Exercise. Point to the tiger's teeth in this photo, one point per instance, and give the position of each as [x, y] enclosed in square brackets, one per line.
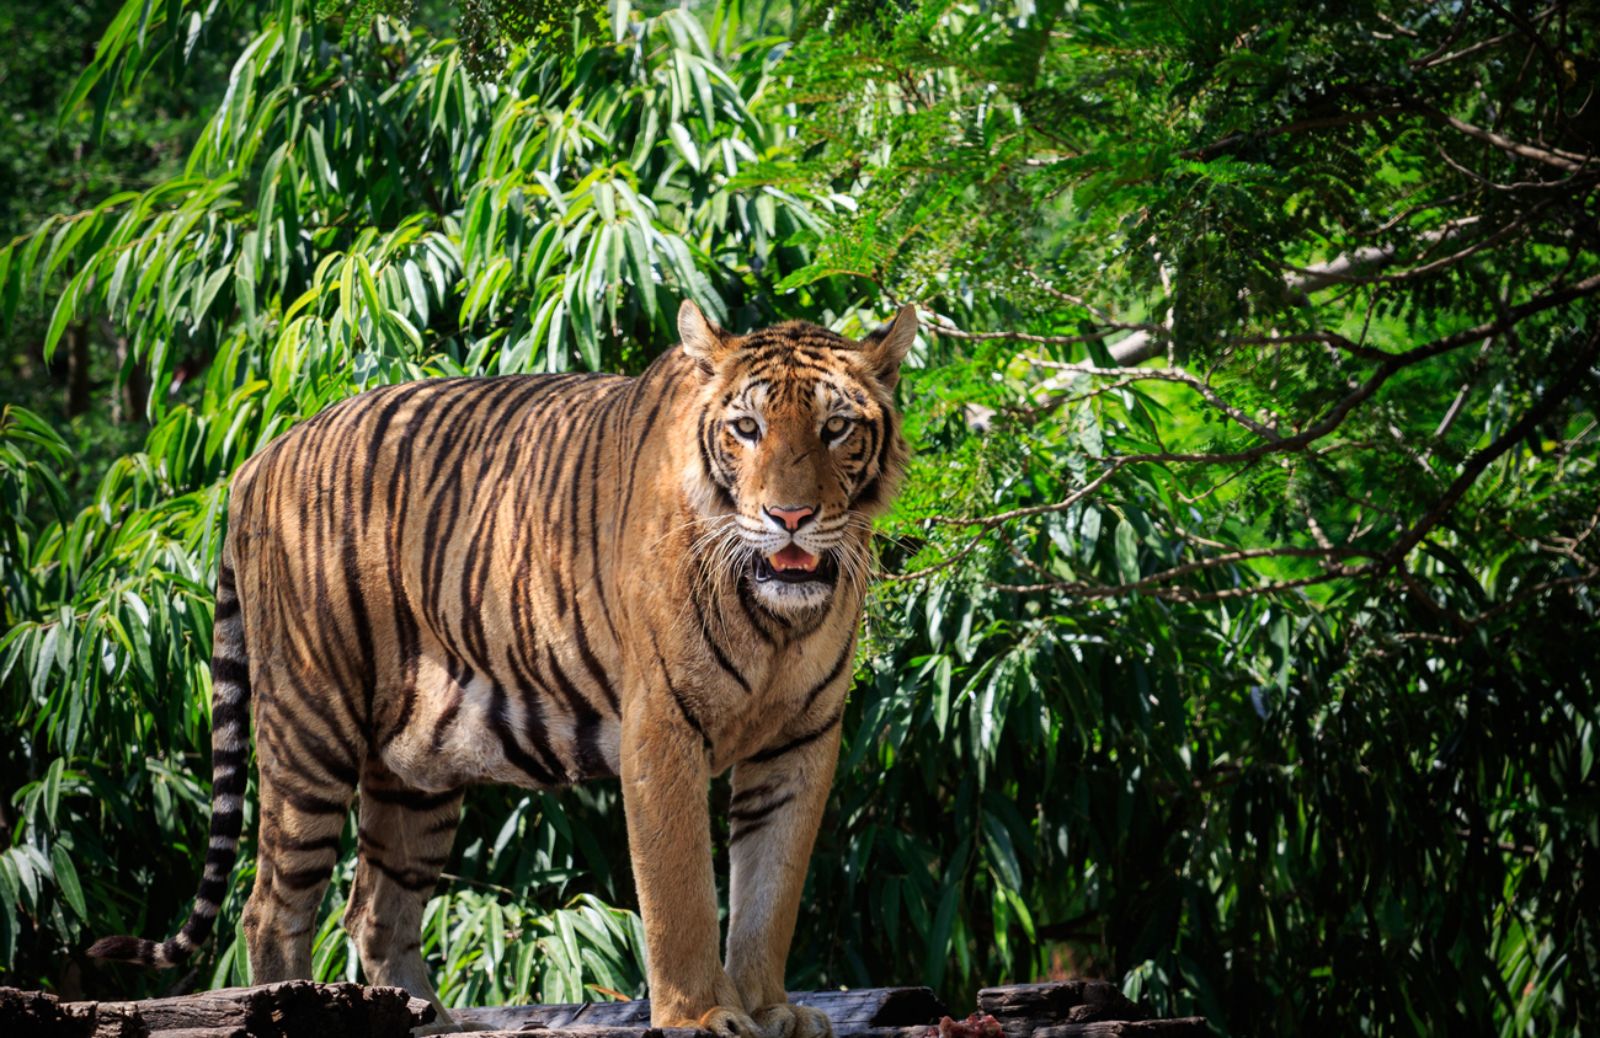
[793, 557]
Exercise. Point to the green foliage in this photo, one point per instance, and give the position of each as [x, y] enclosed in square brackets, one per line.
[1239, 653]
[1231, 639]
[357, 209]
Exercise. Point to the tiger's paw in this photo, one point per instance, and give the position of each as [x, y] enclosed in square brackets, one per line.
[729, 1023]
[787, 1020]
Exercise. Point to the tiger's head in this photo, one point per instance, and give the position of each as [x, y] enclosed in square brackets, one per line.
[799, 447]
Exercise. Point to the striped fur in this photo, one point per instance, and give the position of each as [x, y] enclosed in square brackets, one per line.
[540, 580]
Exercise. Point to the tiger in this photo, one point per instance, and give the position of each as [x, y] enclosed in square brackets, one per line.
[542, 580]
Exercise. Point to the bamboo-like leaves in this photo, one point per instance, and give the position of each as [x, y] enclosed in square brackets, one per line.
[341, 221]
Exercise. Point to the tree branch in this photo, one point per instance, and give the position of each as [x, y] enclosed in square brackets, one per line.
[1272, 443]
[1127, 377]
[1565, 386]
[1567, 160]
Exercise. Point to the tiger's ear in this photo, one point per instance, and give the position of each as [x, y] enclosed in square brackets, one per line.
[703, 341]
[887, 347]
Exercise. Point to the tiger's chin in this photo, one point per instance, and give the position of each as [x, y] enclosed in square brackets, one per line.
[794, 589]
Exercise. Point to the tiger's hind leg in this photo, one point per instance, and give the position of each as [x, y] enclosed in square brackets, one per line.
[405, 841]
[302, 816]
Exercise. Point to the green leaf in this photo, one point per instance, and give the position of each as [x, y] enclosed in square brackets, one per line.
[208, 290]
[806, 275]
[52, 790]
[1127, 545]
[67, 879]
[938, 944]
[1002, 852]
[46, 658]
[10, 897]
[684, 142]
[65, 311]
[417, 290]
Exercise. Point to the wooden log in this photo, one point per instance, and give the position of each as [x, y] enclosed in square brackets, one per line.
[38, 1013]
[1182, 1027]
[875, 1007]
[1023, 1009]
[918, 1031]
[537, 1031]
[850, 1011]
[293, 1009]
[302, 1009]
[591, 1032]
[602, 1015]
[111, 1019]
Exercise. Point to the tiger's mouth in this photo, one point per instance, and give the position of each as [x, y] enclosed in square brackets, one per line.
[795, 565]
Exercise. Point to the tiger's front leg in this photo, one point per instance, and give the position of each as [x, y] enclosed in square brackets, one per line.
[778, 799]
[666, 774]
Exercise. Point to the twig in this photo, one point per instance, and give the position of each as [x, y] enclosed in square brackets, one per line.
[1175, 375]
[1560, 159]
[940, 328]
[1565, 386]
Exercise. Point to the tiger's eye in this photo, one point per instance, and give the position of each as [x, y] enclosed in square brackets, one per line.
[746, 427]
[834, 427]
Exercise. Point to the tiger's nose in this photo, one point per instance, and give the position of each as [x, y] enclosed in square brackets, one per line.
[792, 517]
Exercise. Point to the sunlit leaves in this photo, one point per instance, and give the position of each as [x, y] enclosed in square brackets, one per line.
[356, 210]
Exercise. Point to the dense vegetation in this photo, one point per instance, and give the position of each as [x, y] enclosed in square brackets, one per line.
[1235, 634]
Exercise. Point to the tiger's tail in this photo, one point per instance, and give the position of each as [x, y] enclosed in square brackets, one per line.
[230, 707]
